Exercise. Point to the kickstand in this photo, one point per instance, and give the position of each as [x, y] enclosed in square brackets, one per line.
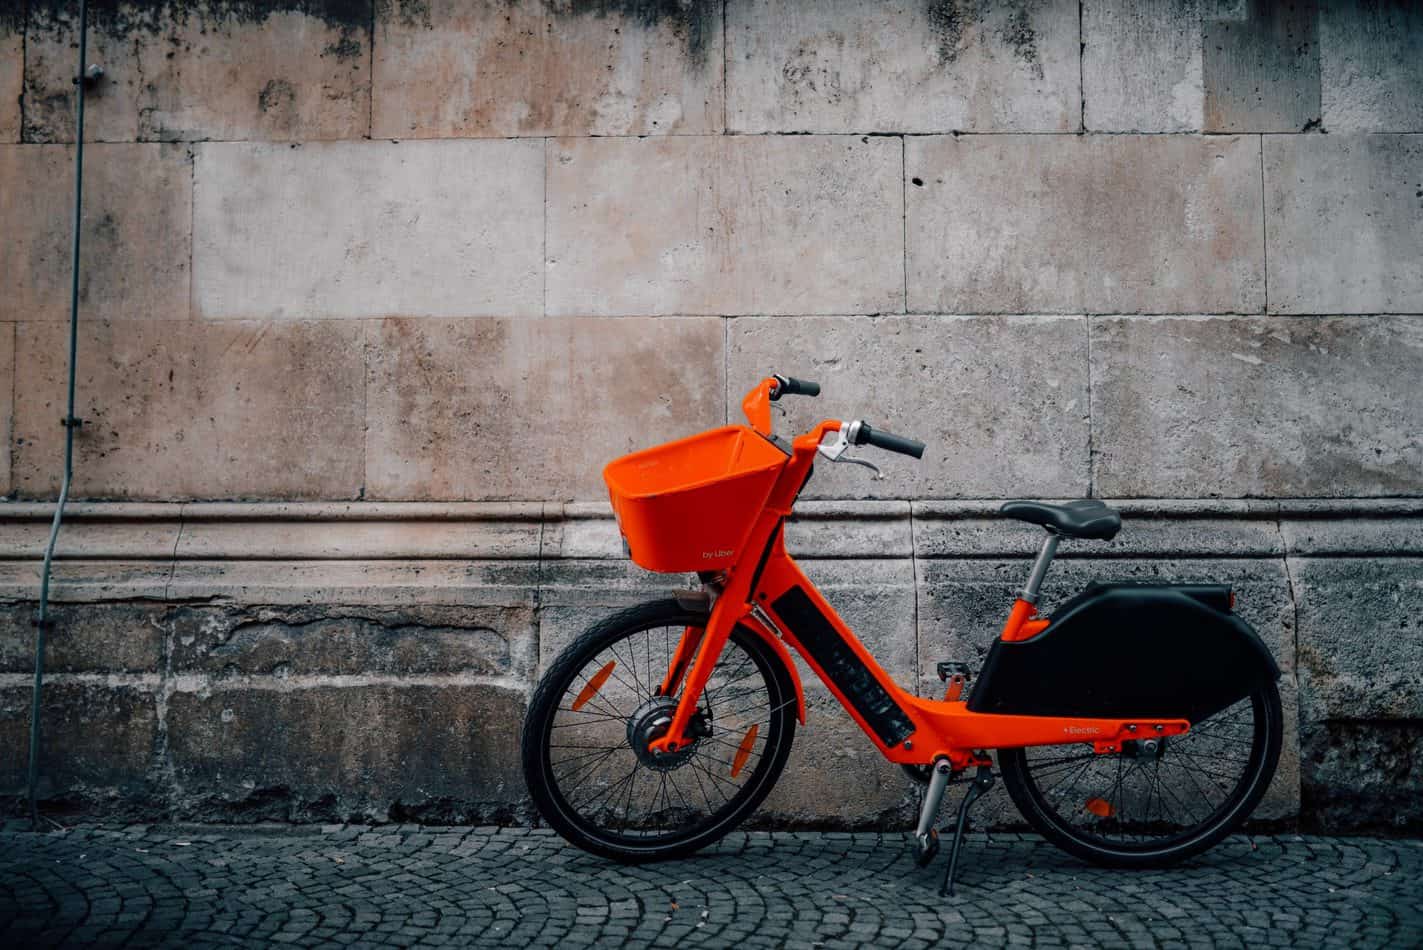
[982, 782]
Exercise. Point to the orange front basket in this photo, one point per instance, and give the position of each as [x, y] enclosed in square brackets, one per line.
[688, 505]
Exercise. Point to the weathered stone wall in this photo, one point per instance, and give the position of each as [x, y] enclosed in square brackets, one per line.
[374, 288]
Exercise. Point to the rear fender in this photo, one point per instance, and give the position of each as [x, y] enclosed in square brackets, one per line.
[1128, 650]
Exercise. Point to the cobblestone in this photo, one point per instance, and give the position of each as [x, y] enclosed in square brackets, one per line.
[406, 886]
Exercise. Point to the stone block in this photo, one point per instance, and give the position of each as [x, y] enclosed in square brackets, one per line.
[12, 69]
[1344, 223]
[716, 225]
[89, 531]
[582, 529]
[945, 530]
[1142, 66]
[7, 402]
[187, 409]
[1359, 651]
[85, 638]
[1072, 224]
[493, 408]
[1371, 65]
[1000, 402]
[374, 583]
[1378, 536]
[134, 241]
[578, 593]
[1262, 68]
[353, 640]
[1363, 775]
[368, 229]
[434, 752]
[546, 67]
[98, 743]
[1256, 406]
[205, 70]
[368, 531]
[850, 529]
[86, 581]
[852, 67]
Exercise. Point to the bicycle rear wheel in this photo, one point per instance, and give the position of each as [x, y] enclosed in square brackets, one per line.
[1157, 801]
[585, 738]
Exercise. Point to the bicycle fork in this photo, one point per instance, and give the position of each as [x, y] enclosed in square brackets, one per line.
[926, 836]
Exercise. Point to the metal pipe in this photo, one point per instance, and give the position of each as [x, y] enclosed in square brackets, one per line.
[70, 422]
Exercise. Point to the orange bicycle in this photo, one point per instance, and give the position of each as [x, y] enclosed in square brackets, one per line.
[1136, 726]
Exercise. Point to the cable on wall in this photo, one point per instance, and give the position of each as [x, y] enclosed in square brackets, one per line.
[83, 79]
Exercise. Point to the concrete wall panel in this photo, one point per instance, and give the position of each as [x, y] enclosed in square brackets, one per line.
[12, 69]
[1262, 68]
[508, 409]
[98, 743]
[206, 70]
[1344, 223]
[1256, 406]
[7, 402]
[538, 67]
[194, 410]
[90, 638]
[1359, 658]
[1361, 690]
[725, 225]
[135, 238]
[321, 640]
[902, 67]
[1371, 63]
[1076, 224]
[438, 751]
[368, 229]
[1142, 65]
[1000, 402]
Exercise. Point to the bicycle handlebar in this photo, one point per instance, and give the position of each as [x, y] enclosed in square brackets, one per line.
[790, 386]
[888, 441]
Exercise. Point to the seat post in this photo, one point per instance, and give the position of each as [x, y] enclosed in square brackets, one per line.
[1040, 566]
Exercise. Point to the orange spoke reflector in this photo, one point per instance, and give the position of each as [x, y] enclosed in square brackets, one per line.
[743, 751]
[594, 684]
[1100, 807]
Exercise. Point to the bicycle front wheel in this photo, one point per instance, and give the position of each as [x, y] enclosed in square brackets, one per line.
[1157, 801]
[585, 738]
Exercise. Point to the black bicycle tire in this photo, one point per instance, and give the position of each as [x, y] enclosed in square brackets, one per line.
[1015, 769]
[551, 688]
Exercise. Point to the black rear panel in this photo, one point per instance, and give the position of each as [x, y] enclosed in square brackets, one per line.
[1128, 650]
[843, 668]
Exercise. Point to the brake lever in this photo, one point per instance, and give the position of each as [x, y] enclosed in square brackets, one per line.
[835, 451]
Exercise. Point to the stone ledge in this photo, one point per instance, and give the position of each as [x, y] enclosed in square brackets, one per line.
[163, 537]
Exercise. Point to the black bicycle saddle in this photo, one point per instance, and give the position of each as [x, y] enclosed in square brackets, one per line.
[1085, 518]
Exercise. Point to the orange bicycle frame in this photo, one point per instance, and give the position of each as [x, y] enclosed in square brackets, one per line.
[766, 591]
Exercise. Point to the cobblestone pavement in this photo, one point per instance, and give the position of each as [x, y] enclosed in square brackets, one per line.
[407, 885]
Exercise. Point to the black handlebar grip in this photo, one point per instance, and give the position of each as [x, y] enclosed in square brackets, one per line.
[790, 386]
[889, 441]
